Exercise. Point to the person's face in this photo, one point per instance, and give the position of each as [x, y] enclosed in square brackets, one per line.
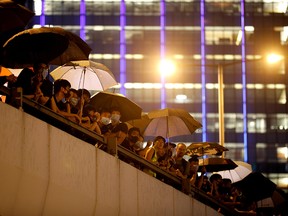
[106, 114]
[86, 98]
[115, 116]
[134, 136]
[181, 150]
[161, 152]
[43, 70]
[66, 91]
[159, 144]
[92, 116]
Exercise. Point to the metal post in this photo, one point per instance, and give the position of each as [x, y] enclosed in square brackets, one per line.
[221, 106]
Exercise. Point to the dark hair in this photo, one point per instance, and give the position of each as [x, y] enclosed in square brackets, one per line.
[37, 66]
[120, 127]
[87, 108]
[84, 92]
[194, 158]
[215, 177]
[134, 129]
[159, 138]
[61, 83]
[73, 90]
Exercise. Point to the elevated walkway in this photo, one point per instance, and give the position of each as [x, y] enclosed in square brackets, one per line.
[46, 171]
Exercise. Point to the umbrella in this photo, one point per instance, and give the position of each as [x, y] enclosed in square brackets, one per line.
[170, 122]
[256, 187]
[139, 123]
[217, 164]
[52, 45]
[129, 110]
[85, 74]
[241, 171]
[13, 16]
[205, 148]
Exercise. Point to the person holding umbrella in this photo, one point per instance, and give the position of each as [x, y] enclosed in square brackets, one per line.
[34, 82]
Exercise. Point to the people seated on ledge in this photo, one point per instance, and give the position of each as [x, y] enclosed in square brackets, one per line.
[91, 118]
[133, 136]
[55, 102]
[34, 82]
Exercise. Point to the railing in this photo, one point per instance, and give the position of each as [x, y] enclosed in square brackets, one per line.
[33, 108]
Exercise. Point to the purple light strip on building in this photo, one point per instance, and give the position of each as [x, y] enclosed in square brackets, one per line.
[82, 19]
[244, 93]
[162, 50]
[42, 16]
[122, 47]
[203, 73]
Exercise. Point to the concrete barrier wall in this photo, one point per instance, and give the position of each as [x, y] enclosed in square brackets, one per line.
[45, 171]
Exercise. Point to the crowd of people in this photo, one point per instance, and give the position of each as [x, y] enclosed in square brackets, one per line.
[75, 105]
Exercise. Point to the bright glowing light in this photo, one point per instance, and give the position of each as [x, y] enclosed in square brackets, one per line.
[167, 67]
[181, 97]
[273, 58]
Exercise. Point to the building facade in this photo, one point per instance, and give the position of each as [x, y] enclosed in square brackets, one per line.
[200, 36]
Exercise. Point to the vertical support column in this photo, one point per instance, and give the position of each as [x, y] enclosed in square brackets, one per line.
[221, 106]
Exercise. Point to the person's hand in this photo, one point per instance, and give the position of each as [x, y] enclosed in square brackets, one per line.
[97, 115]
[203, 170]
[77, 117]
[178, 173]
[11, 78]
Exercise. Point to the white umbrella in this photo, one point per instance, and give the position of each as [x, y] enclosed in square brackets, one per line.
[170, 122]
[241, 171]
[85, 74]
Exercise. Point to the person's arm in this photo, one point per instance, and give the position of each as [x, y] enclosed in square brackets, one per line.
[3, 80]
[149, 154]
[63, 113]
[200, 180]
[10, 78]
[193, 179]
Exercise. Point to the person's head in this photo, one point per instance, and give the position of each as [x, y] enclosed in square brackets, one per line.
[115, 115]
[133, 135]
[105, 116]
[205, 180]
[194, 163]
[73, 97]
[90, 111]
[215, 178]
[120, 132]
[85, 94]
[62, 86]
[159, 142]
[180, 150]
[42, 69]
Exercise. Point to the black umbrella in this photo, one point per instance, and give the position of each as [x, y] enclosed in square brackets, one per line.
[52, 45]
[13, 19]
[217, 164]
[128, 109]
[256, 187]
[13, 16]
